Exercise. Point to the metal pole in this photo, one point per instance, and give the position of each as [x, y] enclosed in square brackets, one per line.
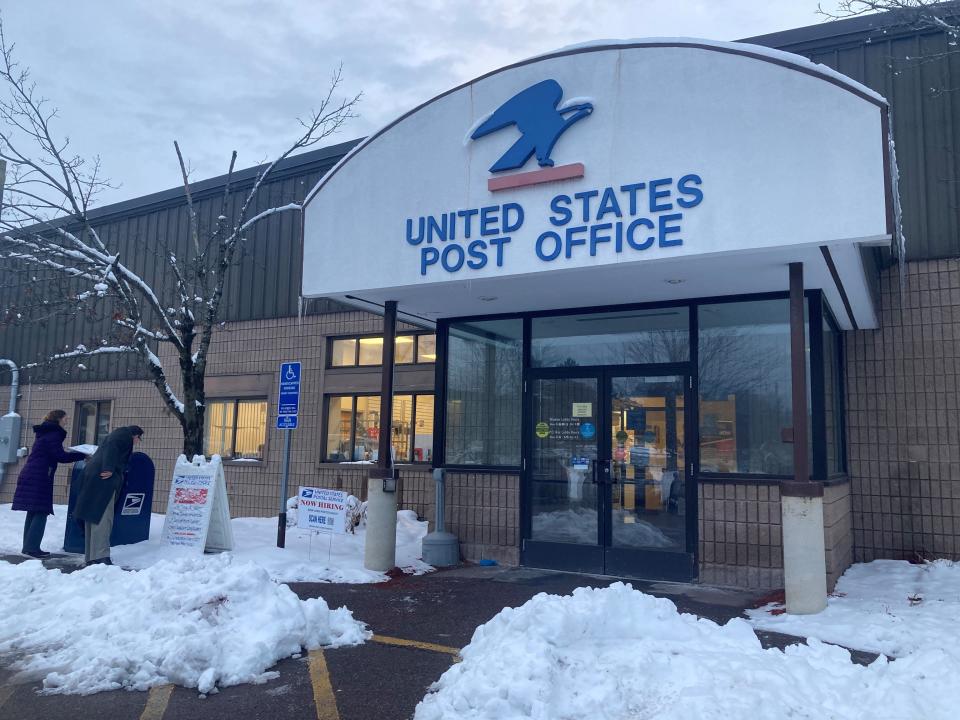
[801, 501]
[798, 366]
[380, 548]
[282, 519]
[384, 458]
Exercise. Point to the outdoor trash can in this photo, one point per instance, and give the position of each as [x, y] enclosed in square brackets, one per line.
[131, 513]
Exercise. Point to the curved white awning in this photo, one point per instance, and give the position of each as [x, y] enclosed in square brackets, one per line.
[712, 164]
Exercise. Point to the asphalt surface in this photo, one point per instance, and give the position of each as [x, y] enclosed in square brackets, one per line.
[418, 623]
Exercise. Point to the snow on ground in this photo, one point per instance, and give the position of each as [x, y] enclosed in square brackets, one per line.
[886, 606]
[307, 557]
[200, 622]
[180, 617]
[618, 653]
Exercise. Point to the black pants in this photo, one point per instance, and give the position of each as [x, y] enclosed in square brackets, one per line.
[33, 528]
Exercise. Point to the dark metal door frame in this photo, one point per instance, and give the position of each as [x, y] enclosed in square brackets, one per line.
[604, 558]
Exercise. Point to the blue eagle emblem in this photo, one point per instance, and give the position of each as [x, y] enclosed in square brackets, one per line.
[536, 114]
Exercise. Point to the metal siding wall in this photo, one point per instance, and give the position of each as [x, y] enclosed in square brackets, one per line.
[926, 132]
[265, 285]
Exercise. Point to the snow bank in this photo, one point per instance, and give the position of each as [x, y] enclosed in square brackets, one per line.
[618, 653]
[201, 622]
[886, 606]
[308, 557]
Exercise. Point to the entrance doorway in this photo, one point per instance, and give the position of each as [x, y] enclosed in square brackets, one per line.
[607, 481]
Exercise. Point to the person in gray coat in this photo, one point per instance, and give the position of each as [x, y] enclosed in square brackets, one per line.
[102, 480]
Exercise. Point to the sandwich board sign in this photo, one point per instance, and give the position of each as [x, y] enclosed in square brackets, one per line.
[198, 511]
[322, 510]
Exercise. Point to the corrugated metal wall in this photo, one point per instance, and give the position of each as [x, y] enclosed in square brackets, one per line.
[918, 74]
[265, 283]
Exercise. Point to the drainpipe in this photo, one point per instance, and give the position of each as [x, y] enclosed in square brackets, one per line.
[10, 423]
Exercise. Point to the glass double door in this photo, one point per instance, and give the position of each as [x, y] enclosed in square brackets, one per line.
[607, 483]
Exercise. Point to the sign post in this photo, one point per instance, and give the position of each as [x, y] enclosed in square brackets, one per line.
[288, 409]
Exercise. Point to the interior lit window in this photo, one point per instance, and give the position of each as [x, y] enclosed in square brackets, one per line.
[426, 348]
[409, 348]
[353, 428]
[371, 351]
[403, 352]
[344, 352]
[236, 429]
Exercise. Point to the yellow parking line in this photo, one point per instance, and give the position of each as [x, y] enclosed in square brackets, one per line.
[323, 698]
[157, 701]
[433, 647]
[5, 692]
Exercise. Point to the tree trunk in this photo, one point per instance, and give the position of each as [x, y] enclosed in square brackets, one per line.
[193, 438]
[194, 412]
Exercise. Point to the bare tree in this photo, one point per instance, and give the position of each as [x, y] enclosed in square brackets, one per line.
[917, 14]
[46, 229]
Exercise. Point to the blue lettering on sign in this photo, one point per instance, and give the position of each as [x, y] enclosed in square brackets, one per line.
[600, 222]
[541, 121]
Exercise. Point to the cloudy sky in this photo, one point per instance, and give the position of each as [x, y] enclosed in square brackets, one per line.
[131, 76]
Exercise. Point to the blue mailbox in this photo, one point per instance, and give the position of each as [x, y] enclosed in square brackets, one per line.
[131, 512]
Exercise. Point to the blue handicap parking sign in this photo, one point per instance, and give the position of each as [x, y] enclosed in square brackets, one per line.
[288, 399]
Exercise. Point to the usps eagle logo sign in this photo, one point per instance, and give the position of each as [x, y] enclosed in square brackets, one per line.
[541, 119]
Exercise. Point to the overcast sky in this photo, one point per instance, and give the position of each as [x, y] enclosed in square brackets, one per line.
[131, 76]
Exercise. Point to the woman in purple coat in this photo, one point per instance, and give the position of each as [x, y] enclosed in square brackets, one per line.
[34, 491]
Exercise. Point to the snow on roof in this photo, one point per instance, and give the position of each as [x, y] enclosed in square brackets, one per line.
[759, 51]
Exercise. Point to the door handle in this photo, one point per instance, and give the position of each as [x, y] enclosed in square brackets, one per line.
[601, 475]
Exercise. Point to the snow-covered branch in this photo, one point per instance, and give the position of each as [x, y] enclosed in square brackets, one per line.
[267, 213]
[174, 302]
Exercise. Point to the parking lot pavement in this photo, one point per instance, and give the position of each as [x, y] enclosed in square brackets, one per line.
[419, 624]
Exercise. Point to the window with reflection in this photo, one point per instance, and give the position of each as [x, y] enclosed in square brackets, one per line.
[616, 338]
[353, 428]
[745, 387]
[833, 399]
[93, 422]
[484, 379]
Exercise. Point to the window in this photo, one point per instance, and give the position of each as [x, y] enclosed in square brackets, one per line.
[353, 428]
[343, 352]
[833, 398]
[745, 387]
[93, 422]
[484, 371]
[236, 429]
[368, 351]
[617, 338]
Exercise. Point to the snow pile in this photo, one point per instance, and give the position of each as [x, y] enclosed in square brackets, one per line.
[886, 606]
[307, 557]
[618, 653]
[202, 622]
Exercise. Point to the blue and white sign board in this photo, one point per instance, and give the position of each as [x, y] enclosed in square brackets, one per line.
[198, 511]
[288, 399]
[322, 510]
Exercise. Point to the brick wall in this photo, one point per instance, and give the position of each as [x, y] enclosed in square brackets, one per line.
[239, 350]
[903, 418]
[741, 539]
[482, 509]
[837, 531]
